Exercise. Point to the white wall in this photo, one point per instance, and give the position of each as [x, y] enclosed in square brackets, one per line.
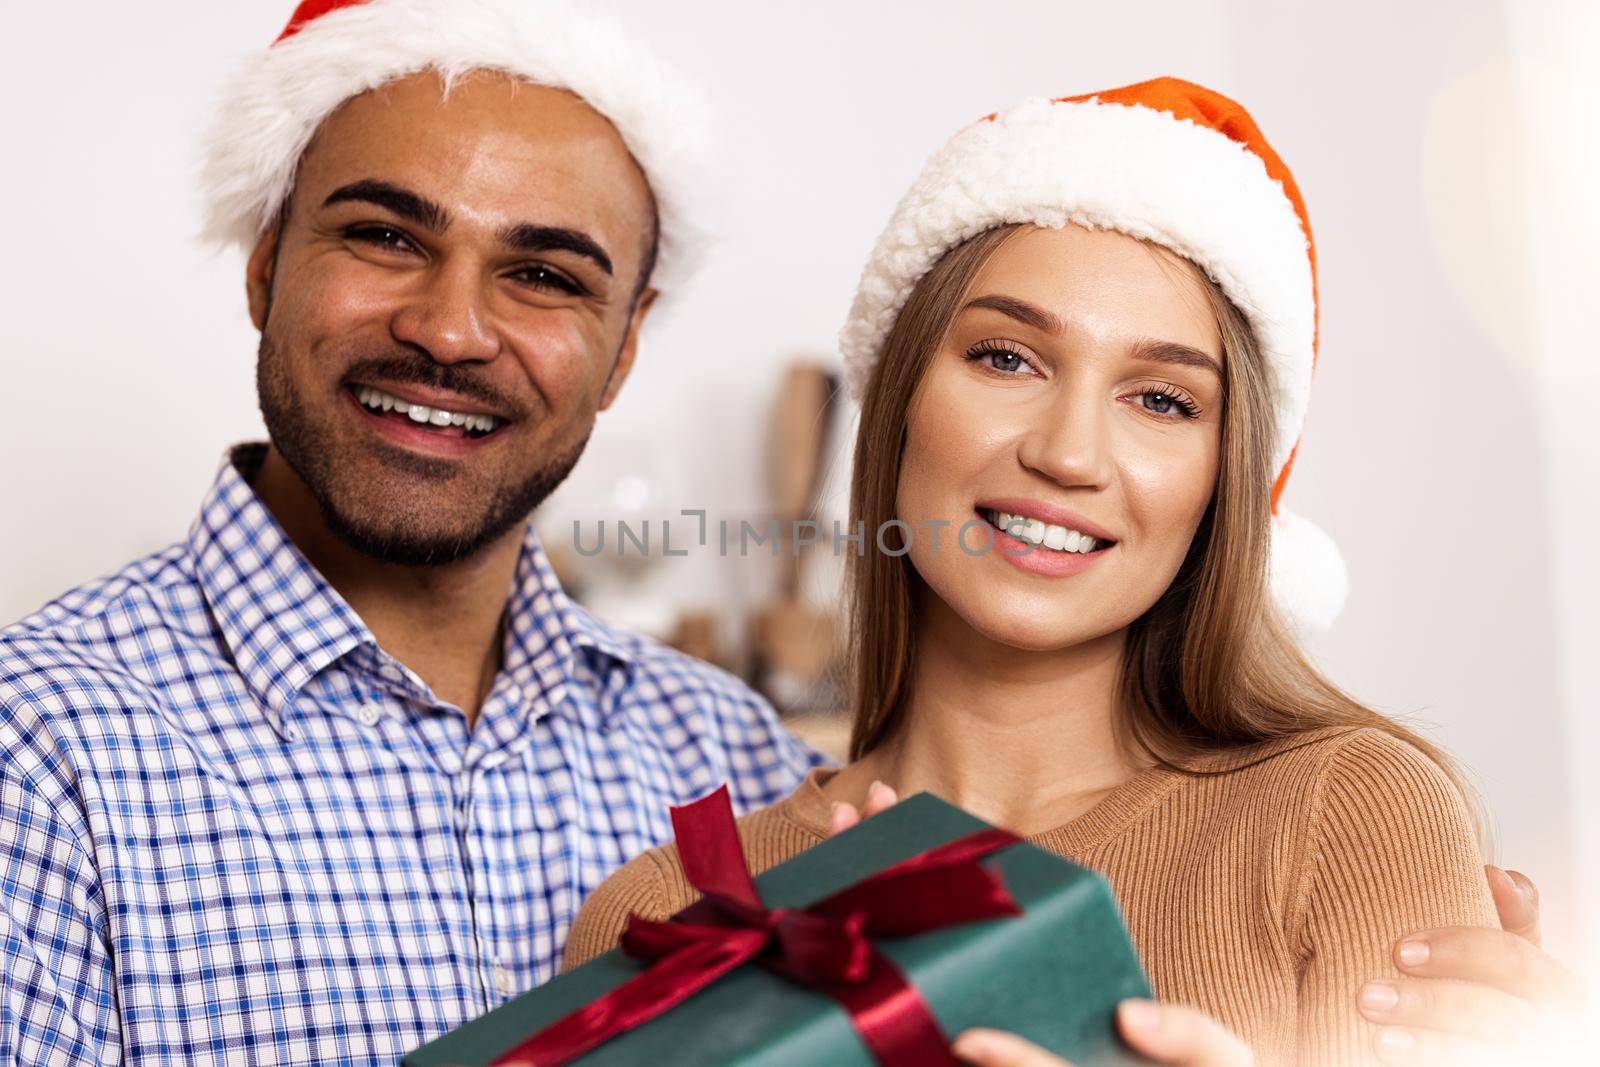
[1448, 448]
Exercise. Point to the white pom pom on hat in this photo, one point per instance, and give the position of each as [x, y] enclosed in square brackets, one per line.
[1166, 161]
[332, 50]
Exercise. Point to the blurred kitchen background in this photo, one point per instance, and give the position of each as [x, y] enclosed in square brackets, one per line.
[1448, 151]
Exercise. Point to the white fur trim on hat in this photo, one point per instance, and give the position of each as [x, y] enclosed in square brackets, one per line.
[1145, 173]
[277, 99]
[1117, 167]
[1306, 574]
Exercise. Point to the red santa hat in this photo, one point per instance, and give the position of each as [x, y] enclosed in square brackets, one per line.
[332, 50]
[1167, 161]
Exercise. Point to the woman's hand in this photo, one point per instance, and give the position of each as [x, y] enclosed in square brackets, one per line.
[1166, 1033]
[879, 797]
[1475, 993]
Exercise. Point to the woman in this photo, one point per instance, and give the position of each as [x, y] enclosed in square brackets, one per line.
[1084, 347]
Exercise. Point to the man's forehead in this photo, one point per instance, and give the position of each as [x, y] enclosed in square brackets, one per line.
[514, 119]
[492, 145]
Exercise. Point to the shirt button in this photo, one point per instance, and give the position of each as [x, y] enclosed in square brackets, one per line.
[503, 982]
[370, 713]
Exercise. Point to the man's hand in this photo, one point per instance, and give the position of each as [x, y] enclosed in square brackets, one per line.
[1471, 993]
[1166, 1033]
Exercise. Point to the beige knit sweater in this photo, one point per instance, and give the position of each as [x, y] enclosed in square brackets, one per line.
[1265, 895]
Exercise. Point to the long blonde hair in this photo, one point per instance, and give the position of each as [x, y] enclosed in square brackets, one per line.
[1210, 666]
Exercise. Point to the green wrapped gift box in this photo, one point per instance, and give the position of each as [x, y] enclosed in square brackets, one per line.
[1053, 974]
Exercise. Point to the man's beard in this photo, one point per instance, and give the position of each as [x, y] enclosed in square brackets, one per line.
[381, 532]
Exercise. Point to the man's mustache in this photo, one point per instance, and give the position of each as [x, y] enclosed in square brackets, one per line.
[447, 377]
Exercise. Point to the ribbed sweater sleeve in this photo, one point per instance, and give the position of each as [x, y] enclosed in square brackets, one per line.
[1392, 852]
[1265, 896]
[653, 884]
[639, 886]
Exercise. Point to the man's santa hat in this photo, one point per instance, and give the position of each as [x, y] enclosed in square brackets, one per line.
[1166, 161]
[332, 50]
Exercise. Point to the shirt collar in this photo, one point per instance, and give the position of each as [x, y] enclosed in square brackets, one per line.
[281, 620]
[546, 631]
[284, 623]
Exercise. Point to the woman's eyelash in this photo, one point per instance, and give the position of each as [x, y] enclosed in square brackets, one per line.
[1006, 350]
[1185, 405]
[391, 238]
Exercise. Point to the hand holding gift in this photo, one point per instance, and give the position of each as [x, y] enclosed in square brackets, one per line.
[1166, 1033]
[954, 925]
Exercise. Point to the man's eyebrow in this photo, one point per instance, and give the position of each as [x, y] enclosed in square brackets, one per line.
[1173, 352]
[527, 237]
[403, 202]
[419, 210]
[1024, 312]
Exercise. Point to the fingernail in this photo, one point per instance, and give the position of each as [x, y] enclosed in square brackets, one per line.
[1379, 996]
[975, 1046]
[1498, 875]
[1396, 1039]
[1525, 886]
[1413, 953]
[1139, 1014]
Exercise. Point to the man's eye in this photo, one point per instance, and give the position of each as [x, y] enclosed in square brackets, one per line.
[382, 236]
[541, 277]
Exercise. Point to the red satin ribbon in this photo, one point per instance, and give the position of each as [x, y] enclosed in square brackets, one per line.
[826, 947]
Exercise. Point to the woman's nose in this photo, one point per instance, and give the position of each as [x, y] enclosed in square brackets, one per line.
[1067, 441]
[447, 316]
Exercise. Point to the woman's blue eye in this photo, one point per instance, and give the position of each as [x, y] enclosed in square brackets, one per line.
[998, 357]
[1006, 361]
[1159, 403]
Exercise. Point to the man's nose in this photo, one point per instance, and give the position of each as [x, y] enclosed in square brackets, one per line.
[1067, 440]
[447, 315]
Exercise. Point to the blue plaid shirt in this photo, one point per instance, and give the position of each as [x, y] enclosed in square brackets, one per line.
[234, 830]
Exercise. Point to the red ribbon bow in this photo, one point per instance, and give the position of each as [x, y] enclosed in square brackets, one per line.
[826, 947]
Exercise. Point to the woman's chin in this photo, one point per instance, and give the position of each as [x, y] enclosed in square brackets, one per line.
[1031, 631]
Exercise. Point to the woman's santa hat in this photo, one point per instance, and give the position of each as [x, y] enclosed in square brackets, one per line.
[332, 50]
[1166, 161]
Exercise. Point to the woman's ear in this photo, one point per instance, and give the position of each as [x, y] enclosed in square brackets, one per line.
[258, 274]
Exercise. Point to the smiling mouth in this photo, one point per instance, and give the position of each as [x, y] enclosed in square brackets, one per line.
[441, 421]
[1041, 534]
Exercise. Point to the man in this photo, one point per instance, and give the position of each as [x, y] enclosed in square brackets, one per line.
[331, 775]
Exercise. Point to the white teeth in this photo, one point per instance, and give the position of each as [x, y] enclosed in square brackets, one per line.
[1040, 533]
[377, 400]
